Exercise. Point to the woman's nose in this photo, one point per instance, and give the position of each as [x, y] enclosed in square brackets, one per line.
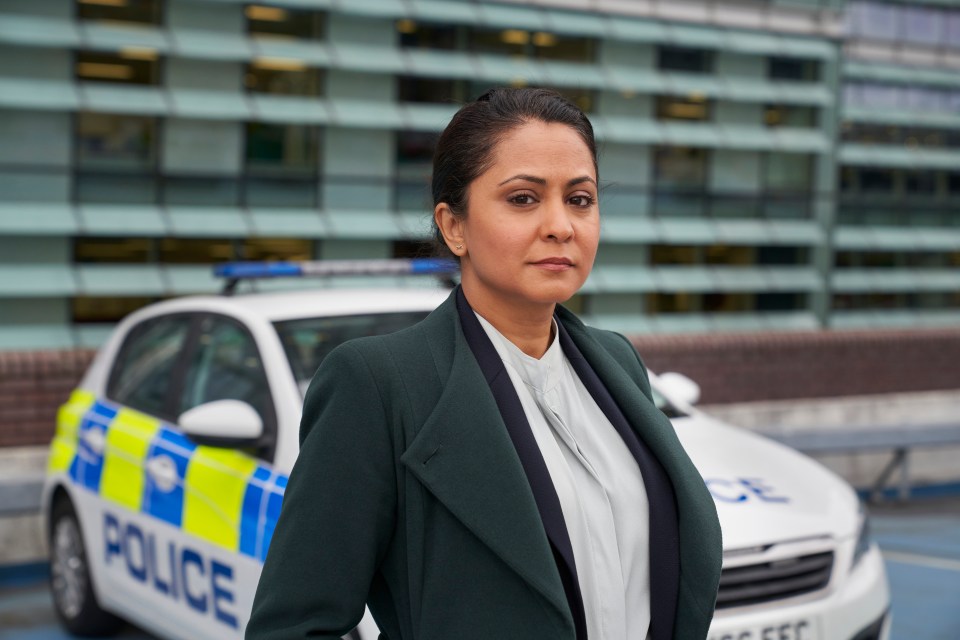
[555, 224]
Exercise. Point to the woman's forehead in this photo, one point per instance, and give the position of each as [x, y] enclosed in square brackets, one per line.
[546, 147]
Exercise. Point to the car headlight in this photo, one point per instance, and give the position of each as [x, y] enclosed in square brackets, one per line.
[863, 537]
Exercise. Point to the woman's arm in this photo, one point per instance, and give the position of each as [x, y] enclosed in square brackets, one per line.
[338, 511]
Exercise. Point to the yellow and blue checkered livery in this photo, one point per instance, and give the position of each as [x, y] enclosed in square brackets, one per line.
[222, 496]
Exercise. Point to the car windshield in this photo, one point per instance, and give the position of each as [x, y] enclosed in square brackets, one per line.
[307, 341]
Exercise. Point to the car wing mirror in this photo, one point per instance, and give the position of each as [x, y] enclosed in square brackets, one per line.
[679, 388]
[226, 421]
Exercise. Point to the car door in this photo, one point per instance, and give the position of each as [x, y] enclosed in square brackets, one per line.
[231, 494]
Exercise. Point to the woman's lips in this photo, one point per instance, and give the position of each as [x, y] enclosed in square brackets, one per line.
[554, 264]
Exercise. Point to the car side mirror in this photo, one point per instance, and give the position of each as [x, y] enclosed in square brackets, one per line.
[225, 421]
[680, 388]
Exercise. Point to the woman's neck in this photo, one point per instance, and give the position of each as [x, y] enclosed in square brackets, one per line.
[527, 325]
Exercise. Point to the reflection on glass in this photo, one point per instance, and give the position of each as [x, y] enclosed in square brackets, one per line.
[111, 250]
[684, 59]
[690, 108]
[277, 22]
[797, 69]
[308, 341]
[130, 66]
[111, 141]
[283, 77]
[135, 11]
[414, 165]
[116, 156]
[102, 309]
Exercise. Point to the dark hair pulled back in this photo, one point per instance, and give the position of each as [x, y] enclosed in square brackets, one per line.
[465, 148]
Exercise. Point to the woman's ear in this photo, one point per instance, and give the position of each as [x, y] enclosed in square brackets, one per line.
[451, 226]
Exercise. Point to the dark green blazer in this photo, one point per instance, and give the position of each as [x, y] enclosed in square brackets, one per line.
[408, 495]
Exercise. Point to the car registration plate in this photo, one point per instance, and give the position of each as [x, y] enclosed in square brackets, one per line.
[802, 629]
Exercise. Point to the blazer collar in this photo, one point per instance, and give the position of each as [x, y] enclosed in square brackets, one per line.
[463, 454]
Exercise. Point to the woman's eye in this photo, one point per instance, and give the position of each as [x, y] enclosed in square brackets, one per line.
[582, 201]
[521, 198]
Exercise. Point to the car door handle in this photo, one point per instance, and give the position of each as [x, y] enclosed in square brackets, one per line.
[163, 471]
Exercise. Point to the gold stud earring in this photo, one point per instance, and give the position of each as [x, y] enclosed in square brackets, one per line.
[459, 246]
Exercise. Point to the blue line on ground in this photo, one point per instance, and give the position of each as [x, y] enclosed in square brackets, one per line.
[22, 575]
[944, 490]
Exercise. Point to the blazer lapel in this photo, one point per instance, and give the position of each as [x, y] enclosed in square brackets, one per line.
[650, 424]
[464, 455]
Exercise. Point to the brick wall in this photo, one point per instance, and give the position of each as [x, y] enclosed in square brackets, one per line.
[33, 385]
[728, 367]
[778, 366]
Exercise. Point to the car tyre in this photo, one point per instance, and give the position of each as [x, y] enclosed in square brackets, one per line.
[71, 583]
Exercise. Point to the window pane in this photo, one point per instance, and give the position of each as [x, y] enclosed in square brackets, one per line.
[100, 310]
[276, 249]
[684, 59]
[671, 108]
[878, 20]
[793, 69]
[285, 23]
[426, 36]
[790, 116]
[226, 366]
[680, 167]
[952, 29]
[204, 191]
[728, 256]
[106, 141]
[680, 302]
[140, 11]
[922, 25]
[920, 183]
[111, 250]
[550, 46]
[780, 301]
[414, 166]
[583, 98]
[131, 68]
[142, 373]
[196, 251]
[430, 90]
[674, 254]
[876, 180]
[881, 96]
[276, 149]
[511, 42]
[283, 77]
[788, 172]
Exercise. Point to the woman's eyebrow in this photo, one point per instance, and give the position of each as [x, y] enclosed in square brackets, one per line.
[523, 176]
[535, 179]
[576, 181]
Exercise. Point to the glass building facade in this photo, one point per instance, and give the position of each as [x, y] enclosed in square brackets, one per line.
[764, 166]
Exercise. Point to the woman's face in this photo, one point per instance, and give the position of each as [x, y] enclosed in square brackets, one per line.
[533, 223]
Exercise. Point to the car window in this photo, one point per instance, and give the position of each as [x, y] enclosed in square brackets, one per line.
[142, 373]
[307, 341]
[225, 365]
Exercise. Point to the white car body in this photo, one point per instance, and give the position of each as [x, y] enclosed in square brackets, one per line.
[774, 504]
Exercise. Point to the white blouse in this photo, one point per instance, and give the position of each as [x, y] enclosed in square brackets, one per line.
[598, 482]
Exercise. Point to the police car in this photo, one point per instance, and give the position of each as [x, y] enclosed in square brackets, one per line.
[170, 459]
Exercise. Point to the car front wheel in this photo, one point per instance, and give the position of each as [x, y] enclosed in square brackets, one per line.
[70, 580]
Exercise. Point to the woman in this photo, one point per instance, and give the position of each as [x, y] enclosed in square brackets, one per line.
[498, 470]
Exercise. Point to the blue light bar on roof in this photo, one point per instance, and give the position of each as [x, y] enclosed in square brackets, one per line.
[326, 268]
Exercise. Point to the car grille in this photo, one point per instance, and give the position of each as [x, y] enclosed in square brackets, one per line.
[774, 580]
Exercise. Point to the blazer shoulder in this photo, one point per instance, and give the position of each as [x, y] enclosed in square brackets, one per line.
[623, 351]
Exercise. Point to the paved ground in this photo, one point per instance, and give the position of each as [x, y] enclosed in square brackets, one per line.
[920, 542]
